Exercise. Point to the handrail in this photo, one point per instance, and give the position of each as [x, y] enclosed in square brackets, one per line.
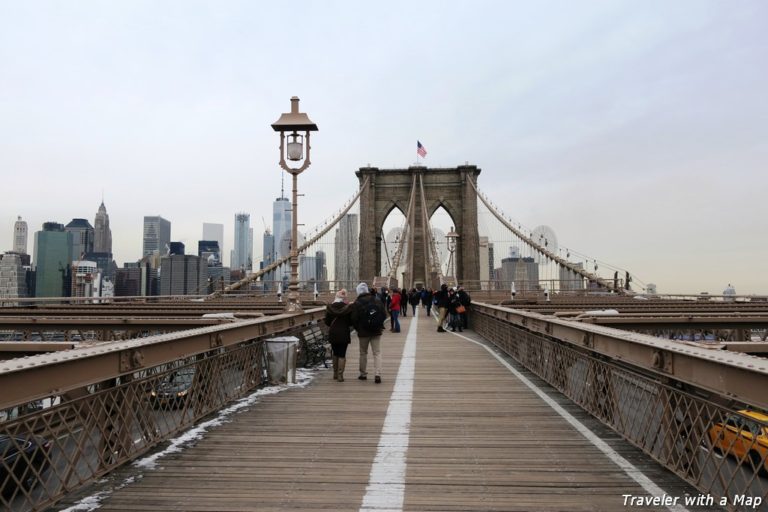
[39, 376]
[739, 376]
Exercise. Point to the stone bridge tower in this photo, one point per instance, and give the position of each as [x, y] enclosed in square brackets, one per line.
[391, 188]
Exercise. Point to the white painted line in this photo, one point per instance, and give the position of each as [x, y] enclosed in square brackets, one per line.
[635, 474]
[386, 483]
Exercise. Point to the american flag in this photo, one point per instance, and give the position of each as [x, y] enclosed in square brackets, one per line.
[420, 150]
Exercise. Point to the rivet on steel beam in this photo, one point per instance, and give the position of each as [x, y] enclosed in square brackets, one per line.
[216, 340]
[657, 359]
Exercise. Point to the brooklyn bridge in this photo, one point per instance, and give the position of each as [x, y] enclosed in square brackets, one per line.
[574, 386]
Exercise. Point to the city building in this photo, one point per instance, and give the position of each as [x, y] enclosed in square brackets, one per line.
[346, 258]
[176, 248]
[183, 275]
[13, 276]
[84, 273]
[321, 271]
[218, 278]
[215, 232]
[52, 260]
[485, 263]
[524, 272]
[82, 238]
[208, 248]
[136, 280]
[102, 240]
[571, 281]
[157, 236]
[107, 266]
[243, 252]
[268, 258]
[20, 236]
[281, 226]
[307, 271]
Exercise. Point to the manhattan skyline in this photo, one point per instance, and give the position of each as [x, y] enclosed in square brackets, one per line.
[636, 130]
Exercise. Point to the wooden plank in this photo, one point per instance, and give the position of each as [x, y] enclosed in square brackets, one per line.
[479, 440]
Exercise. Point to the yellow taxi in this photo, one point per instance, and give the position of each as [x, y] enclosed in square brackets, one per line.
[744, 436]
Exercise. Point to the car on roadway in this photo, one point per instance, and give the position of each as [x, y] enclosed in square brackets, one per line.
[24, 459]
[743, 436]
[173, 389]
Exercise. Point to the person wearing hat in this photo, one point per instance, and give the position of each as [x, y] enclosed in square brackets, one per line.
[368, 318]
[338, 316]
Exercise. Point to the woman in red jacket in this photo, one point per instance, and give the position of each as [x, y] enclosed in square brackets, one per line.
[394, 308]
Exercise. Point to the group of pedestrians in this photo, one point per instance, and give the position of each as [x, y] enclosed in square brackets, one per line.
[367, 315]
[452, 305]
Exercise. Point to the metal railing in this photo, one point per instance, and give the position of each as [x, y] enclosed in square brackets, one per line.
[62, 427]
[654, 395]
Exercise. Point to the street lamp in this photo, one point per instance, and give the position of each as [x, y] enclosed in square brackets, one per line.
[297, 126]
[451, 242]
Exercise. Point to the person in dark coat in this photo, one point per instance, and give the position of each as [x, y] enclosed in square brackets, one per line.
[413, 298]
[453, 303]
[441, 301]
[426, 300]
[338, 315]
[404, 302]
[368, 337]
[466, 301]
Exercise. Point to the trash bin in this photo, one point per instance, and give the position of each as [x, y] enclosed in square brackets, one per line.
[281, 359]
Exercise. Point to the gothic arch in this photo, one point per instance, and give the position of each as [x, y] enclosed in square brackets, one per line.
[446, 187]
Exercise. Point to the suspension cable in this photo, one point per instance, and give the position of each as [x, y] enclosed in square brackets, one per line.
[399, 251]
[253, 277]
[431, 251]
[594, 278]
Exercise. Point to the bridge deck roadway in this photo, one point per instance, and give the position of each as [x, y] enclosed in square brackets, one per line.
[477, 438]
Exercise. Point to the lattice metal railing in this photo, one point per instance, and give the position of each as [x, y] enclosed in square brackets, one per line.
[54, 446]
[721, 450]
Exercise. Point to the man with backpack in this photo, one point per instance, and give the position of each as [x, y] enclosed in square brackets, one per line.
[368, 318]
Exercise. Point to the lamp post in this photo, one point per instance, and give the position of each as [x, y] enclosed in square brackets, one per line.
[451, 242]
[297, 126]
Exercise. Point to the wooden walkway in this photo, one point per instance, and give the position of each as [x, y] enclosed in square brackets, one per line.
[479, 439]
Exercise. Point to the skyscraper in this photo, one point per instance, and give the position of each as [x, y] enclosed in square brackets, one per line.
[157, 235]
[346, 253]
[485, 266]
[268, 258]
[102, 240]
[242, 255]
[281, 226]
[208, 248]
[20, 236]
[321, 270]
[82, 238]
[13, 282]
[183, 275]
[53, 257]
[215, 232]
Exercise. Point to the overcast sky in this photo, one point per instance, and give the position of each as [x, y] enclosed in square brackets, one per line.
[637, 130]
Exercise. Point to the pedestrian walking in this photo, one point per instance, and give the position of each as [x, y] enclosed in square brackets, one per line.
[368, 316]
[426, 300]
[404, 302]
[394, 310]
[338, 316]
[441, 301]
[413, 299]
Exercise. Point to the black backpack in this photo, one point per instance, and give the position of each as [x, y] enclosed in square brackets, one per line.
[371, 317]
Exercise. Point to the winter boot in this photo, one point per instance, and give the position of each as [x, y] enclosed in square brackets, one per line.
[335, 368]
[342, 365]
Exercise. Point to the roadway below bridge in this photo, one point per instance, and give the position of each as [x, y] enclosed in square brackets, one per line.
[451, 427]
